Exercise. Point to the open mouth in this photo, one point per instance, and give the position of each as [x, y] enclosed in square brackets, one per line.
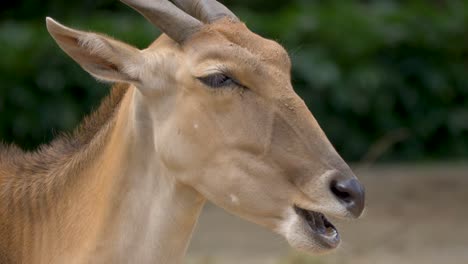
[321, 229]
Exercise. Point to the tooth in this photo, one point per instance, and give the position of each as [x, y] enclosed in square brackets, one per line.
[331, 232]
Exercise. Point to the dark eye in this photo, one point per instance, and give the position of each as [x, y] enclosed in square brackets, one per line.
[217, 80]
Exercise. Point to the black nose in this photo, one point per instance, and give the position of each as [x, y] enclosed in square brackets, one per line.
[350, 193]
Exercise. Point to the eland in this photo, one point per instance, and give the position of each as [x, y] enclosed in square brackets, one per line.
[206, 113]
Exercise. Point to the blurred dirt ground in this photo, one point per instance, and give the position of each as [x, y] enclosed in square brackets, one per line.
[415, 214]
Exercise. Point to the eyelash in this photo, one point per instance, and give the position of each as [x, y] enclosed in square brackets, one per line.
[218, 80]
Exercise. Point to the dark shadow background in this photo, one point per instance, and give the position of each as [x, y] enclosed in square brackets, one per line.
[387, 80]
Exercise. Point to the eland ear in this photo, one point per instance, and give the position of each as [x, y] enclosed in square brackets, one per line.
[103, 57]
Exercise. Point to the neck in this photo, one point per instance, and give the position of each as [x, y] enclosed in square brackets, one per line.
[113, 202]
[152, 215]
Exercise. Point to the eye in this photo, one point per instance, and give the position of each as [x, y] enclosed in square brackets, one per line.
[217, 80]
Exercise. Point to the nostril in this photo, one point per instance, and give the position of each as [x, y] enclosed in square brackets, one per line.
[350, 193]
[341, 192]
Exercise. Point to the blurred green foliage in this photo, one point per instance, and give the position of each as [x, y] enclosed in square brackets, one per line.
[365, 69]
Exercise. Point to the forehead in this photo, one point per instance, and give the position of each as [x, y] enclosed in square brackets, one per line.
[228, 39]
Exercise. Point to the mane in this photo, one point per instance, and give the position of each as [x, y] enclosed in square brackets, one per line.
[63, 153]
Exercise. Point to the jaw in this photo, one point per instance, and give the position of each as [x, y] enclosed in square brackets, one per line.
[309, 231]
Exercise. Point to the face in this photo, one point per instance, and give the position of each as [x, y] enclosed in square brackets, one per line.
[241, 136]
[227, 122]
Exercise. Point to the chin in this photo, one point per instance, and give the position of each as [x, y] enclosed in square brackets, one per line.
[309, 231]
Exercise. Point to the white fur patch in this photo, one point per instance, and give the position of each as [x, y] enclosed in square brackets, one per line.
[234, 199]
[286, 227]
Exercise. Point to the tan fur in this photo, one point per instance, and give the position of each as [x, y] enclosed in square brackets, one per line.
[129, 184]
[29, 181]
